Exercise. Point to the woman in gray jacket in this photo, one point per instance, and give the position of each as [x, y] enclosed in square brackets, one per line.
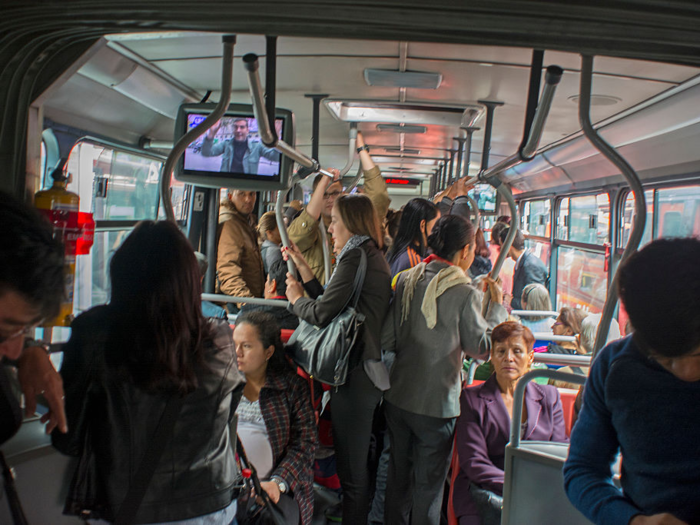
[434, 320]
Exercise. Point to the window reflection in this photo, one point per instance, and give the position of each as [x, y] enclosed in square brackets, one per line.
[678, 212]
[581, 279]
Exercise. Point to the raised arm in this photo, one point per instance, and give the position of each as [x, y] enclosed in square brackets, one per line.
[375, 187]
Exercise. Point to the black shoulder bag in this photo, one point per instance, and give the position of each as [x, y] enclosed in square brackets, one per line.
[137, 489]
[323, 353]
[254, 505]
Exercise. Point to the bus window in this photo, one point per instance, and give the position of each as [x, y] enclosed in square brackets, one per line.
[536, 218]
[581, 279]
[678, 212]
[628, 218]
[585, 219]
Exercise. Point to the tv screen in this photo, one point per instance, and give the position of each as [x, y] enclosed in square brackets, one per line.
[485, 196]
[231, 153]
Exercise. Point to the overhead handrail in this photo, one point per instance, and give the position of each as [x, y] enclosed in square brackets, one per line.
[220, 298]
[563, 359]
[356, 180]
[534, 313]
[519, 396]
[491, 175]
[229, 42]
[352, 149]
[584, 115]
[269, 139]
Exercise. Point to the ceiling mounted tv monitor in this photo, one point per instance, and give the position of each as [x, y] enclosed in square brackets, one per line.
[231, 154]
[486, 197]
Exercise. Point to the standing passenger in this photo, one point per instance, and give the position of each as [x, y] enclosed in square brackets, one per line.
[303, 231]
[508, 267]
[411, 242]
[641, 399]
[130, 362]
[434, 320]
[528, 267]
[271, 240]
[31, 289]
[354, 226]
[482, 264]
[239, 266]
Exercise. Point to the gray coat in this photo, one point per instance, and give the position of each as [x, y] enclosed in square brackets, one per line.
[425, 378]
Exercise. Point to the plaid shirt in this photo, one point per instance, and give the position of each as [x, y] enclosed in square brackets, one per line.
[285, 403]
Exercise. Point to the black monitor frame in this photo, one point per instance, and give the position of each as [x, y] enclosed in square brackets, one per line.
[242, 181]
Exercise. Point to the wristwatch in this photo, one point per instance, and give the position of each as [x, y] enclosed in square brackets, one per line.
[280, 484]
[365, 147]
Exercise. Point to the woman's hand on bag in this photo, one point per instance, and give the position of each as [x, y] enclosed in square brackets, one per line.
[294, 289]
[272, 490]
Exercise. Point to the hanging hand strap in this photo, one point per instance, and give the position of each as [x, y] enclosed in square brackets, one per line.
[137, 490]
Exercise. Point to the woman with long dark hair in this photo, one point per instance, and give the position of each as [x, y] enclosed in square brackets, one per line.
[126, 365]
[355, 227]
[410, 244]
[434, 321]
[275, 419]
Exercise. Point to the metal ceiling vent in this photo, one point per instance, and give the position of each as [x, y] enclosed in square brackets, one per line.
[402, 79]
[415, 113]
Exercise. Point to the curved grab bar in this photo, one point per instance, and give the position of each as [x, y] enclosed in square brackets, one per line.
[355, 180]
[551, 81]
[632, 179]
[519, 396]
[220, 298]
[269, 139]
[475, 207]
[226, 82]
[352, 146]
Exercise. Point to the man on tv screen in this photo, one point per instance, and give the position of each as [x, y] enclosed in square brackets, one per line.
[239, 154]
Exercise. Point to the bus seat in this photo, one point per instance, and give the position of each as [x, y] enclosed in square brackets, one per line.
[454, 470]
[286, 334]
[568, 397]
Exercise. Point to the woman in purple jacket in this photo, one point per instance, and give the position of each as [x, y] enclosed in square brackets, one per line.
[483, 428]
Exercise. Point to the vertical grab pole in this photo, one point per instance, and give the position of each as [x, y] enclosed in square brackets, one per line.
[475, 207]
[229, 42]
[212, 222]
[460, 156]
[451, 169]
[635, 184]
[315, 142]
[271, 80]
[352, 151]
[468, 150]
[491, 106]
[281, 196]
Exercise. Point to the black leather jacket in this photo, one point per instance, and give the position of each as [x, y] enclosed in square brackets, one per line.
[110, 424]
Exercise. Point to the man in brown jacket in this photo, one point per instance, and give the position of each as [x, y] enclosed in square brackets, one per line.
[304, 232]
[239, 264]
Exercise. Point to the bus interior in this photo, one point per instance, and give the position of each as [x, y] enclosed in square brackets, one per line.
[438, 96]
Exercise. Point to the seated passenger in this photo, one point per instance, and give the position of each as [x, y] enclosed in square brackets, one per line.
[482, 264]
[535, 297]
[130, 362]
[275, 288]
[641, 398]
[483, 428]
[209, 309]
[304, 232]
[435, 319]
[568, 324]
[271, 240]
[275, 419]
[411, 243]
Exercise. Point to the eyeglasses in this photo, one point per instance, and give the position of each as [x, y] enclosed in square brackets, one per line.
[18, 333]
[331, 195]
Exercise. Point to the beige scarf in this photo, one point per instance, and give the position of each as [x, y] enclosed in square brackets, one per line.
[444, 280]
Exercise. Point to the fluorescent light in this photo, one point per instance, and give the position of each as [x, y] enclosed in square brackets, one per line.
[397, 128]
[407, 151]
[420, 114]
[405, 79]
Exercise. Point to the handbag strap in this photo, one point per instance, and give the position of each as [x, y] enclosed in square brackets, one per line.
[243, 462]
[13, 500]
[137, 489]
[359, 279]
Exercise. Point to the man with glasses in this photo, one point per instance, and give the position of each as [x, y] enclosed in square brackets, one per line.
[304, 232]
[31, 289]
